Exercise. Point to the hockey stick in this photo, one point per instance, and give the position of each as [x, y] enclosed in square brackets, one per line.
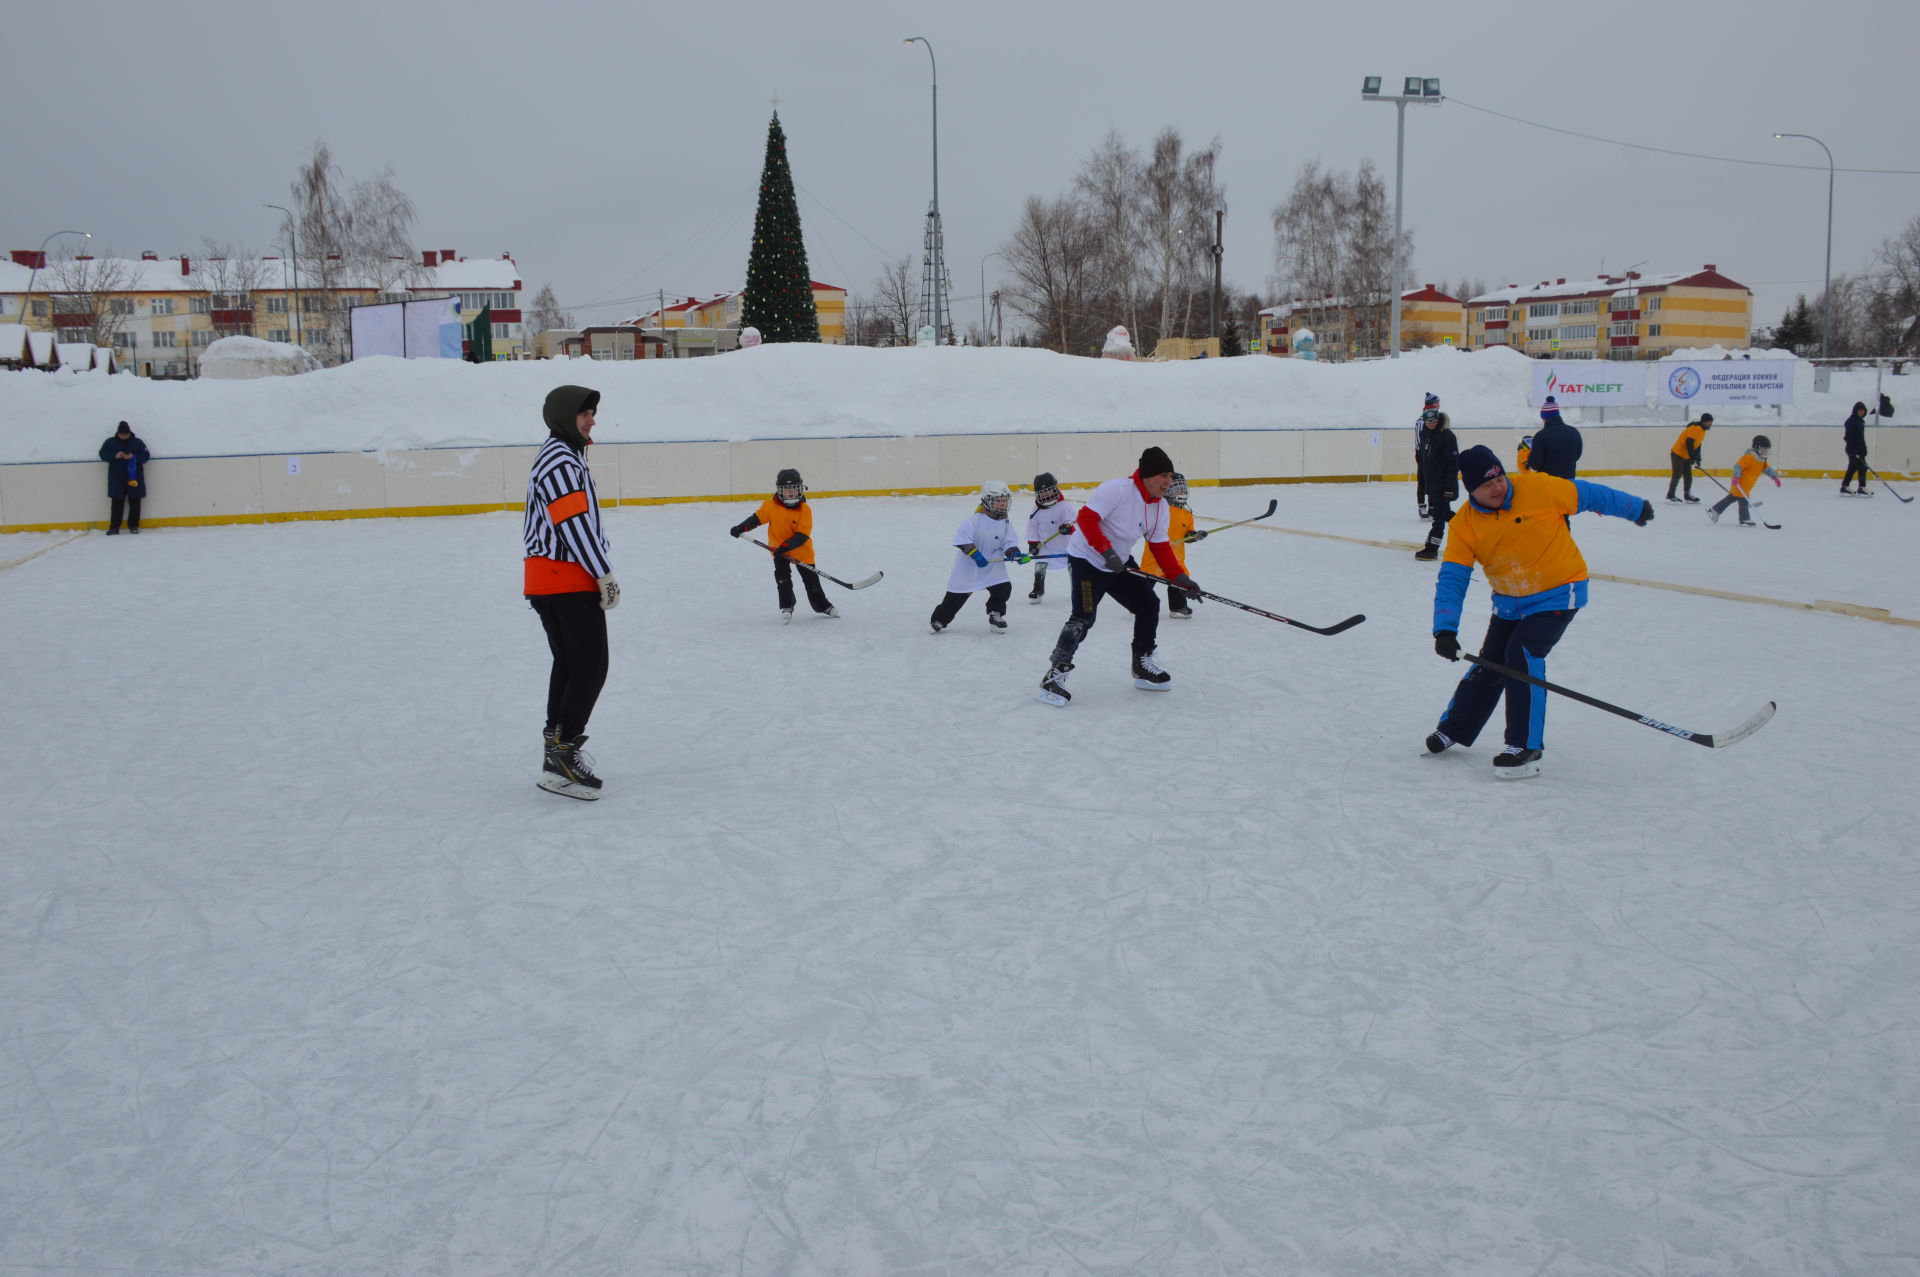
[1335, 628]
[845, 585]
[1889, 487]
[1711, 740]
[1265, 514]
[1750, 501]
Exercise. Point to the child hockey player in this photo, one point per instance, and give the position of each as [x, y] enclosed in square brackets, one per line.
[1746, 472]
[789, 521]
[1524, 451]
[1051, 514]
[1180, 532]
[1686, 456]
[1441, 461]
[986, 542]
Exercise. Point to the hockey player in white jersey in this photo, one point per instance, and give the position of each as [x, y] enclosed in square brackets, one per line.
[984, 543]
[1048, 528]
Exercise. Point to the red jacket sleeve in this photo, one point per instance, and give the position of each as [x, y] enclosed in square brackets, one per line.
[1089, 523]
[1163, 554]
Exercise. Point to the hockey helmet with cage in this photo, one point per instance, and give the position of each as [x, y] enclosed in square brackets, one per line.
[1177, 490]
[1046, 489]
[995, 498]
[788, 490]
[1762, 444]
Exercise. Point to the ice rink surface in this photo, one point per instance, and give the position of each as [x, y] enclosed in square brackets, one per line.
[869, 964]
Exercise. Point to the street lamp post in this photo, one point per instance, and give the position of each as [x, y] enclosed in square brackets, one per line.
[1826, 287]
[1421, 92]
[983, 293]
[293, 241]
[26, 298]
[938, 247]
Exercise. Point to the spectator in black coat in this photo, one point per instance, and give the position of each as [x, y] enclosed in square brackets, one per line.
[126, 457]
[1439, 466]
[1556, 445]
[1855, 432]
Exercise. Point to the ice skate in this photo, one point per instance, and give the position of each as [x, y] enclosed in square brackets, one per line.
[1713, 516]
[786, 616]
[1516, 764]
[1053, 688]
[1148, 676]
[568, 771]
[997, 622]
[1690, 499]
[1438, 742]
[936, 626]
[830, 611]
[1427, 553]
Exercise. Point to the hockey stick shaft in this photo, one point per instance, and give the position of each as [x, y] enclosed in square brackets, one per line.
[1335, 628]
[1889, 487]
[825, 576]
[1708, 739]
[1272, 505]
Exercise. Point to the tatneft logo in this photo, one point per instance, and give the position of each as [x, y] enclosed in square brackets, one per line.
[1555, 386]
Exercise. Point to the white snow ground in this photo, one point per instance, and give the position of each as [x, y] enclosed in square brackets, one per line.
[868, 963]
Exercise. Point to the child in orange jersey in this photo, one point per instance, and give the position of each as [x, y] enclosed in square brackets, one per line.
[1180, 533]
[789, 521]
[1746, 473]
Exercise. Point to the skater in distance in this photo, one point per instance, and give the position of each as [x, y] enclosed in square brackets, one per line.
[789, 521]
[1556, 445]
[1119, 513]
[569, 583]
[1515, 528]
[1440, 461]
[1686, 456]
[1047, 528]
[1746, 472]
[983, 545]
[1853, 433]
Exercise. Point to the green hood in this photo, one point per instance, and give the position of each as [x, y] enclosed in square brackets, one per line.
[564, 405]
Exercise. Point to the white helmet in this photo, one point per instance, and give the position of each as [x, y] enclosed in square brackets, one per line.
[995, 498]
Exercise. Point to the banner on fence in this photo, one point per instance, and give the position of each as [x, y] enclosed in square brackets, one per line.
[1755, 381]
[1589, 383]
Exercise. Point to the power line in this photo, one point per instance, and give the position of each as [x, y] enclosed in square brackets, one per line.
[1691, 155]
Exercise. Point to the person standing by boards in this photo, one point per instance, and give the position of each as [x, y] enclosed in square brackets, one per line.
[1687, 455]
[126, 457]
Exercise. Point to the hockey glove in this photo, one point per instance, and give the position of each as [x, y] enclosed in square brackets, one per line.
[1776, 483]
[1114, 562]
[1014, 555]
[1447, 644]
[740, 529]
[1646, 515]
[1187, 583]
[1198, 534]
[789, 545]
[977, 557]
[609, 592]
[1033, 549]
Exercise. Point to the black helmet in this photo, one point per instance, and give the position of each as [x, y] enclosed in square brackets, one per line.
[787, 488]
[1046, 489]
[1762, 442]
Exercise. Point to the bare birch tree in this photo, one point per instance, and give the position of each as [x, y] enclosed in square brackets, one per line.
[228, 274]
[897, 301]
[545, 315]
[1333, 237]
[356, 236]
[86, 299]
[1179, 195]
[1053, 257]
[1109, 187]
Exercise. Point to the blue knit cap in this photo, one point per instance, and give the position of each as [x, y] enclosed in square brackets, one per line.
[1550, 409]
[1477, 465]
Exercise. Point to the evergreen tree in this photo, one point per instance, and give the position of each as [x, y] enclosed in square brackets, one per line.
[1231, 342]
[779, 295]
[1797, 330]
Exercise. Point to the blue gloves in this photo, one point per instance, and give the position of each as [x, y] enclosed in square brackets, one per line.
[977, 557]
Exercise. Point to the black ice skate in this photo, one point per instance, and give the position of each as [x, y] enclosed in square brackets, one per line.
[568, 771]
[1516, 764]
[1053, 688]
[1148, 676]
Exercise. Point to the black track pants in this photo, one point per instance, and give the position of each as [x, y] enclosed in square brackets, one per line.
[577, 635]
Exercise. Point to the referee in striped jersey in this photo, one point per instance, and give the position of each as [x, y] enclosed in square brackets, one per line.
[569, 582]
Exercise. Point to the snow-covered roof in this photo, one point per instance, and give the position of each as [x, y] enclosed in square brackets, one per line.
[1604, 286]
[75, 356]
[13, 341]
[164, 275]
[1426, 292]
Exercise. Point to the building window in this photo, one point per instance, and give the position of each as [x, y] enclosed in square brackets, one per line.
[1624, 328]
[166, 339]
[229, 301]
[276, 305]
[1654, 303]
[1653, 330]
[202, 337]
[75, 334]
[1587, 307]
[277, 334]
[1580, 332]
[160, 306]
[126, 341]
[1622, 352]
[503, 301]
[310, 303]
[1493, 312]
[120, 305]
[198, 305]
[501, 331]
[39, 310]
[1543, 310]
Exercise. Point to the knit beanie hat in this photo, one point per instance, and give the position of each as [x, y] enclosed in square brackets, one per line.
[1550, 409]
[1477, 465]
[1433, 400]
[1153, 461]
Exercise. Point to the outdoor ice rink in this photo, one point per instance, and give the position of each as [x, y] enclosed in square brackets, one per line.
[869, 964]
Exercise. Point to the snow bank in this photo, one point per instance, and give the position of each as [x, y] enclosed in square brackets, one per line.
[244, 358]
[789, 391]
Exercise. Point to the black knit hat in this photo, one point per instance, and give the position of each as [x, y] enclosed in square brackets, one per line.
[123, 426]
[1153, 461]
[1706, 419]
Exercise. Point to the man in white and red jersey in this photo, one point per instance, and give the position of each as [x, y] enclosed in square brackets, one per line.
[1119, 513]
[569, 582]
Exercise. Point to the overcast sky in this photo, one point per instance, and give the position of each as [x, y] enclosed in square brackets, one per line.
[615, 149]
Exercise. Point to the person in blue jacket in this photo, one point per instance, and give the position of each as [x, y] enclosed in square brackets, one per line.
[1515, 530]
[1854, 435]
[1556, 445]
[126, 457]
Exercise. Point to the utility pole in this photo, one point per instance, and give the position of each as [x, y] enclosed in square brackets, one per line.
[1219, 221]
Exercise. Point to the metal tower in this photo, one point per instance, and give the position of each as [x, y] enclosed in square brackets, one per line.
[936, 285]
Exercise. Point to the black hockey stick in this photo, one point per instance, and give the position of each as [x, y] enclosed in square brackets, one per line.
[1750, 501]
[1265, 514]
[845, 585]
[1889, 487]
[1712, 740]
[1335, 628]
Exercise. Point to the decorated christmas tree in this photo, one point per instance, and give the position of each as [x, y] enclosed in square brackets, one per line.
[779, 296]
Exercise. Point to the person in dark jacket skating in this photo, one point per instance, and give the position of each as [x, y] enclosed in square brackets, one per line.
[1439, 467]
[1854, 430]
[1432, 405]
[126, 457]
[1556, 445]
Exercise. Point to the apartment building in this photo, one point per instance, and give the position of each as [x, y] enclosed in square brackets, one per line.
[1630, 316]
[157, 314]
[722, 312]
[1344, 329]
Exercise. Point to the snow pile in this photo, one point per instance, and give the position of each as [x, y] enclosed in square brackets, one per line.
[794, 392]
[244, 358]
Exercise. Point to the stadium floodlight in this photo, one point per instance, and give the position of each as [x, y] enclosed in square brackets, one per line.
[1423, 91]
